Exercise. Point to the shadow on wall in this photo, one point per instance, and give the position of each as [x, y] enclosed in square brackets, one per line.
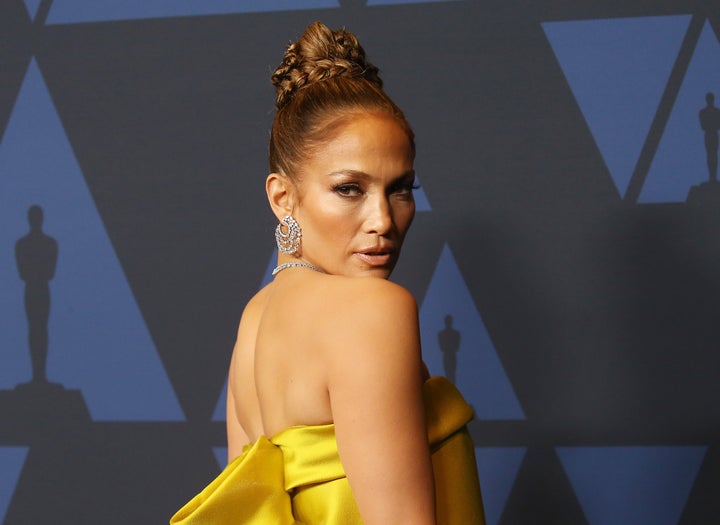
[449, 342]
[36, 254]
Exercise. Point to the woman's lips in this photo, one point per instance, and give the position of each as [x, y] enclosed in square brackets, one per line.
[375, 258]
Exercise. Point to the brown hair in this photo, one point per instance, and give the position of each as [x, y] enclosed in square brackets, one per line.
[323, 80]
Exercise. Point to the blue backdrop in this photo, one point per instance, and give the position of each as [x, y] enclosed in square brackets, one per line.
[564, 255]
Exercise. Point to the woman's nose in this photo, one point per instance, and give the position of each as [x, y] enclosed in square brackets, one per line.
[379, 219]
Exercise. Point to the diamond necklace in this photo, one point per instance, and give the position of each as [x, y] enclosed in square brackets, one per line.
[280, 267]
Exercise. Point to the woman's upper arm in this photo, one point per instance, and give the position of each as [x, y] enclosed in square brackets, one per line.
[375, 387]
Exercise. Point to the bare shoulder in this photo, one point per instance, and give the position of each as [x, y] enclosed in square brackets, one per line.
[253, 309]
[370, 299]
[373, 321]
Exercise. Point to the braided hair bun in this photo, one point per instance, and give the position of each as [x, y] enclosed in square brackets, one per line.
[323, 81]
[318, 55]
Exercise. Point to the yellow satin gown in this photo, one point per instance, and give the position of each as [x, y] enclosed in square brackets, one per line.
[296, 476]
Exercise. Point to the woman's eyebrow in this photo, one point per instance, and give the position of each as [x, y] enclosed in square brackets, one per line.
[352, 173]
[362, 175]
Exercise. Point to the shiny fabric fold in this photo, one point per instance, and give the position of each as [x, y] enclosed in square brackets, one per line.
[297, 476]
[250, 490]
[310, 454]
[457, 487]
[315, 476]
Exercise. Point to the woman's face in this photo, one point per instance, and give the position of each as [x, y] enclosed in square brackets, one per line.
[355, 200]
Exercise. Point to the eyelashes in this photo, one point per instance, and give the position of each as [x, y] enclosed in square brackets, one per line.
[355, 190]
[405, 188]
[348, 189]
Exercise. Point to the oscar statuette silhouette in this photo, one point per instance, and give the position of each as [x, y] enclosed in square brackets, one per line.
[707, 194]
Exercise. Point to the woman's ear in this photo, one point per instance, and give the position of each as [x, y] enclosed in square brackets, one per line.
[280, 191]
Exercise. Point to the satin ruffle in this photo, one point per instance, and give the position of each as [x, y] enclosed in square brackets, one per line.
[296, 477]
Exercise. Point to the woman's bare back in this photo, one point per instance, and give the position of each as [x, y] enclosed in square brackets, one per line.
[314, 349]
[277, 378]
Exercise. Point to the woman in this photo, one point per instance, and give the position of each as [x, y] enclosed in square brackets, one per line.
[327, 361]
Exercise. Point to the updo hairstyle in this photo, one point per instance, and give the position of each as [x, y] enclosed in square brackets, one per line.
[323, 80]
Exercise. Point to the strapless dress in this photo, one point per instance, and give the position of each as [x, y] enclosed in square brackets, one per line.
[296, 476]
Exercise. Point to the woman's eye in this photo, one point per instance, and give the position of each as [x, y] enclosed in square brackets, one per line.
[405, 188]
[348, 190]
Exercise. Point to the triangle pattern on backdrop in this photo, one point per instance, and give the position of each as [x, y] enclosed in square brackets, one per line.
[12, 460]
[221, 456]
[450, 324]
[98, 340]
[617, 70]
[632, 485]
[421, 201]
[680, 160]
[220, 413]
[79, 11]
[497, 467]
[32, 7]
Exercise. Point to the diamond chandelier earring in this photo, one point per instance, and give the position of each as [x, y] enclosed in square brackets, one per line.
[288, 242]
